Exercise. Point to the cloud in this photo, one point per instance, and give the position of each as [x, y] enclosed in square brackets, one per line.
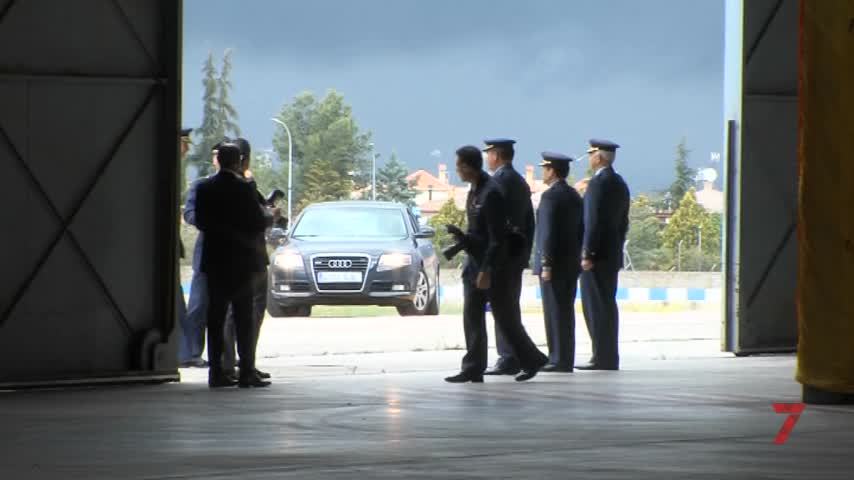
[428, 76]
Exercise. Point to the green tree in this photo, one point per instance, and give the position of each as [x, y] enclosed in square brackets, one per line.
[209, 132]
[449, 214]
[392, 185]
[685, 175]
[219, 117]
[699, 233]
[226, 113]
[268, 175]
[645, 245]
[331, 156]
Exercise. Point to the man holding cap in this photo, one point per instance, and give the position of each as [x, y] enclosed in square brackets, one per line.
[606, 223]
[557, 259]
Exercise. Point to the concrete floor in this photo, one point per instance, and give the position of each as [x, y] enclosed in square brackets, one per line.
[695, 414]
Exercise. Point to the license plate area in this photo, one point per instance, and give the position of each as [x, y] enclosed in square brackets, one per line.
[339, 277]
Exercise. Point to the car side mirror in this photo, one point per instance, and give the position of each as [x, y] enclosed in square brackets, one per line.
[425, 232]
[277, 236]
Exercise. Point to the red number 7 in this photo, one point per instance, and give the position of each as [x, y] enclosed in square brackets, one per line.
[794, 411]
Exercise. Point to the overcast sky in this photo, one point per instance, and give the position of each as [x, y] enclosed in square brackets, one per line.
[428, 75]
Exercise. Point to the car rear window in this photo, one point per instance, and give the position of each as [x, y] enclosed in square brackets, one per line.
[350, 222]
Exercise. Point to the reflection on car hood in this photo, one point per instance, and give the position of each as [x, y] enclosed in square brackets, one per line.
[373, 247]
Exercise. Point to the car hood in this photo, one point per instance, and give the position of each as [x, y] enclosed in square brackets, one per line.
[373, 247]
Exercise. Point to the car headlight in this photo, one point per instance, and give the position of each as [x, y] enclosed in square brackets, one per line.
[289, 261]
[391, 261]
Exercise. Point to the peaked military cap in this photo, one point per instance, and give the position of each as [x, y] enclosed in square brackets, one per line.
[554, 159]
[604, 145]
[497, 143]
[185, 132]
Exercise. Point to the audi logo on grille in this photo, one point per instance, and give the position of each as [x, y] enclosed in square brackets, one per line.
[340, 264]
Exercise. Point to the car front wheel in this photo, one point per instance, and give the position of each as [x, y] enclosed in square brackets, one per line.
[421, 301]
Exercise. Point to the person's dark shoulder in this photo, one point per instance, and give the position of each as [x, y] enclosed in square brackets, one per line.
[550, 193]
[205, 183]
[516, 177]
[492, 190]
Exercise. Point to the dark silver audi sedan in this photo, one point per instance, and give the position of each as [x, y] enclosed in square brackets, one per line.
[355, 253]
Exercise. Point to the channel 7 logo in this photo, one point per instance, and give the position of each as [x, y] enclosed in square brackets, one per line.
[794, 411]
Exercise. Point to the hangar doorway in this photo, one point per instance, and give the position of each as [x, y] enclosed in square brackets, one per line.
[674, 287]
[114, 69]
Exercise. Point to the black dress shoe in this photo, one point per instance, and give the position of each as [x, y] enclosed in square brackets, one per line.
[261, 374]
[221, 381]
[593, 366]
[503, 370]
[557, 368]
[253, 381]
[465, 378]
[527, 375]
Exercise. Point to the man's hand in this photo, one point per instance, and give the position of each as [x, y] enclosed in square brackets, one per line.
[587, 264]
[455, 232]
[483, 281]
[546, 276]
[247, 174]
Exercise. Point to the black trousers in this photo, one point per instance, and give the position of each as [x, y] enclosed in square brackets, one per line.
[506, 359]
[599, 303]
[510, 325]
[559, 315]
[225, 290]
[259, 310]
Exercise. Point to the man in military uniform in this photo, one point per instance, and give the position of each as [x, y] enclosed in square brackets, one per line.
[520, 214]
[606, 223]
[185, 357]
[197, 307]
[557, 259]
[485, 275]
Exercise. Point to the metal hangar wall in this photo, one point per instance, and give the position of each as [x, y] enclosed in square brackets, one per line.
[761, 119]
[88, 144]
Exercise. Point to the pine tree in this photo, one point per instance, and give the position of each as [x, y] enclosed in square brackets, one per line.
[392, 185]
[226, 113]
[685, 175]
[689, 224]
[210, 131]
[219, 117]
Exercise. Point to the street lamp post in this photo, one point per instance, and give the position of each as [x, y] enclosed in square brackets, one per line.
[373, 173]
[290, 169]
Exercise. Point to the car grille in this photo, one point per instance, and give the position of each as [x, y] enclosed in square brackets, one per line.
[340, 263]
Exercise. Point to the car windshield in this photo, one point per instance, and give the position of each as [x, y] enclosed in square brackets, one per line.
[351, 222]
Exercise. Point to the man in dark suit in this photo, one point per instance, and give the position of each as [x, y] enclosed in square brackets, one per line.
[557, 259]
[520, 215]
[229, 215]
[606, 222]
[485, 273]
[259, 299]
